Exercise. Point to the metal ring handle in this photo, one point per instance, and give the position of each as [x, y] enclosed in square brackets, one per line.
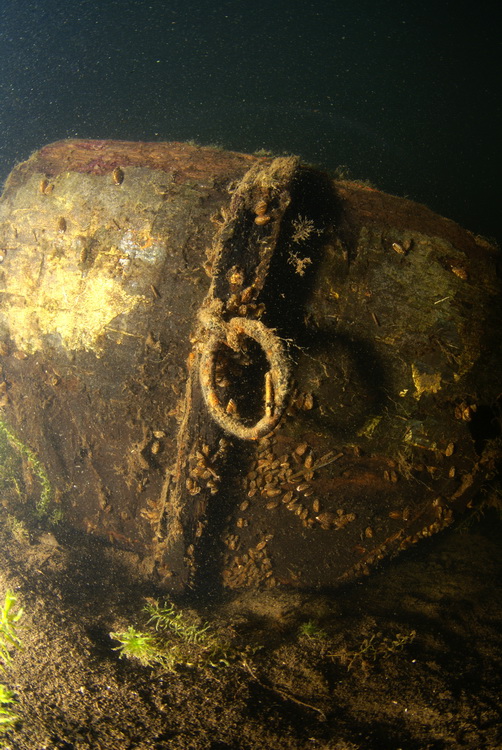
[276, 378]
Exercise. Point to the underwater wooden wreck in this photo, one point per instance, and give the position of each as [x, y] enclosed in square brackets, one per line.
[243, 371]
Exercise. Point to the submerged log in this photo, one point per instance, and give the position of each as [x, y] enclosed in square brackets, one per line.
[238, 368]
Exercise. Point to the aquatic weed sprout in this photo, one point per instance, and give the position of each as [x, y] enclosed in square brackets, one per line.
[135, 644]
[38, 469]
[8, 718]
[166, 617]
[176, 641]
[9, 617]
[8, 622]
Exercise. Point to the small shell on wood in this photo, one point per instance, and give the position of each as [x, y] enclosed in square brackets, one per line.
[118, 176]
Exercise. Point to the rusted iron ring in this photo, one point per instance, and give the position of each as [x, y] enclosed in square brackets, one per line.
[276, 378]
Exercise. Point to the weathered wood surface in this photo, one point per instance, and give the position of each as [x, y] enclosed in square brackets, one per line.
[389, 315]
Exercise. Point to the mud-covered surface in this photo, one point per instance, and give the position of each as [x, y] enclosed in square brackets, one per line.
[407, 658]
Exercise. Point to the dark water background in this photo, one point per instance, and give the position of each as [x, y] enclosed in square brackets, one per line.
[404, 94]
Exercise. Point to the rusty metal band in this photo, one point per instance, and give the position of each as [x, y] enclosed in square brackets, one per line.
[240, 262]
[242, 255]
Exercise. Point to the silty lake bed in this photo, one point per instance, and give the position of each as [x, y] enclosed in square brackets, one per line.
[408, 657]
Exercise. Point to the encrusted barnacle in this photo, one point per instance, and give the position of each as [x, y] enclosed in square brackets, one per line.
[302, 487]
[45, 187]
[303, 401]
[231, 407]
[460, 271]
[118, 176]
[402, 248]
[260, 208]
[338, 520]
[272, 492]
[235, 277]
[465, 411]
[247, 294]
[233, 543]
[212, 486]
[202, 473]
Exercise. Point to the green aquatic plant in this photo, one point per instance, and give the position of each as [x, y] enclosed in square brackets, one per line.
[263, 152]
[175, 640]
[9, 639]
[8, 717]
[149, 650]
[56, 516]
[311, 629]
[167, 617]
[11, 467]
[199, 642]
[16, 528]
[9, 617]
[134, 644]
[44, 501]
[374, 648]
